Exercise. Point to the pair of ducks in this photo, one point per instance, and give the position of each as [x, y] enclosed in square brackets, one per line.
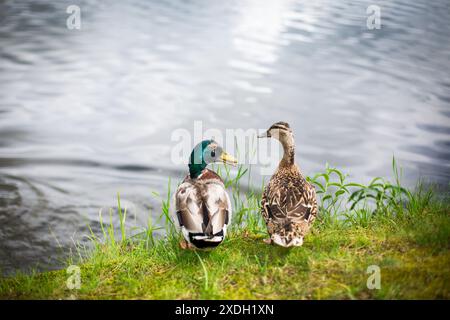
[203, 207]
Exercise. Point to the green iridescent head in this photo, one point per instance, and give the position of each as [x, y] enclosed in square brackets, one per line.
[206, 152]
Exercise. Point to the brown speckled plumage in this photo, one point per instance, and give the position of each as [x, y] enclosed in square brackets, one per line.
[288, 204]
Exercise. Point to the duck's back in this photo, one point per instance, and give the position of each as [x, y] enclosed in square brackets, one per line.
[203, 209]
[288, 203]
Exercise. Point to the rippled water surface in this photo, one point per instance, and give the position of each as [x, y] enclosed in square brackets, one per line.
[87, 113]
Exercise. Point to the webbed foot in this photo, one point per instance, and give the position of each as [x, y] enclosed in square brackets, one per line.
[186, 245]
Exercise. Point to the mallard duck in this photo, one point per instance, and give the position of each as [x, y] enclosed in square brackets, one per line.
[288, 203]
[202, 206]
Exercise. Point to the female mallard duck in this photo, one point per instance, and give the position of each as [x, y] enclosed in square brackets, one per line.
[203, 208]
[288, 204]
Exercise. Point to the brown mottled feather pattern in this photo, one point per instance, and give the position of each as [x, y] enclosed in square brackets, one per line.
[289, 204]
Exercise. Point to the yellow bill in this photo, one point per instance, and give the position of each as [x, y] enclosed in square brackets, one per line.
[228, 159]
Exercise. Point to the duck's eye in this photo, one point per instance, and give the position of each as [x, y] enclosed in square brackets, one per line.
[213, 153]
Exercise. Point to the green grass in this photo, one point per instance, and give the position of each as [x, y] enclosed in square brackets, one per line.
[406, 233]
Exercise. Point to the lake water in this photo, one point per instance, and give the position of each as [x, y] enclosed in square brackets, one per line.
[87, 113]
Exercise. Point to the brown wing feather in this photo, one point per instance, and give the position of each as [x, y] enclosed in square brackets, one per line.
[288, 199]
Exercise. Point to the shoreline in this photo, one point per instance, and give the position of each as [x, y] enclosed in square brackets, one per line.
[395, 247]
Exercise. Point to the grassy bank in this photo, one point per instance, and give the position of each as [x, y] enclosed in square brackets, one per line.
[405, 233]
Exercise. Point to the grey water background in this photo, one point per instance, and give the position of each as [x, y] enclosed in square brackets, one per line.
[87, 113]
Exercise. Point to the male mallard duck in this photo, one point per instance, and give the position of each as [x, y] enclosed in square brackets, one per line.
[288, 204]
[203, 208]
